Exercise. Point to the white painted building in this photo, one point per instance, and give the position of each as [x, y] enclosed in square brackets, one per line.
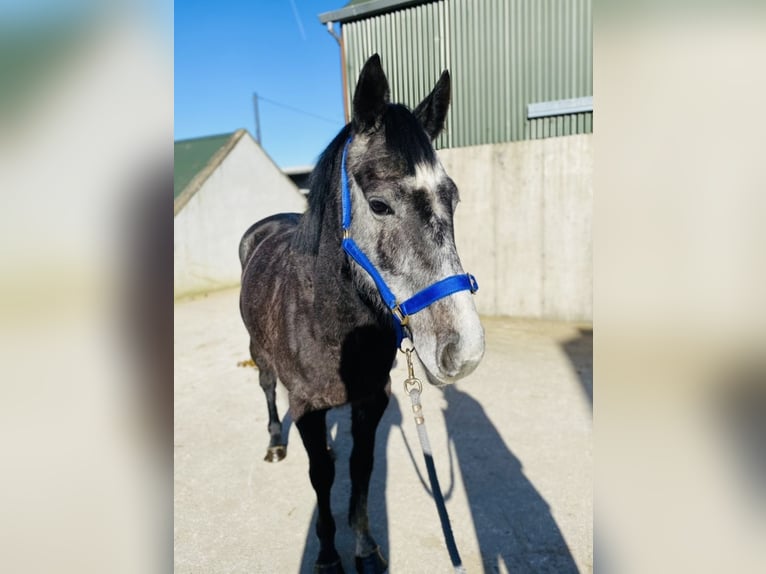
[222, 185]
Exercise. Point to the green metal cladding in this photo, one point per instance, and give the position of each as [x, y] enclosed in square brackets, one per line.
[502, 54]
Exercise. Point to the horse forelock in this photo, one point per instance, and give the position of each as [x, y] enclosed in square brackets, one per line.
[405, 138]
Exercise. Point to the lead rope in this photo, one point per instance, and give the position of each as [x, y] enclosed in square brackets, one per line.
[413, 387]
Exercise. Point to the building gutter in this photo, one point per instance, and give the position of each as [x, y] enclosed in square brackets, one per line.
[339, 39]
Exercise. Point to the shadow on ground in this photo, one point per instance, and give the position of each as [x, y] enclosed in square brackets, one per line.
[339, 426]
[579, 350]
[513, 523]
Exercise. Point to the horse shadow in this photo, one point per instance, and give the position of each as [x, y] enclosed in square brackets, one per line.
[339, 425]
[513, 523]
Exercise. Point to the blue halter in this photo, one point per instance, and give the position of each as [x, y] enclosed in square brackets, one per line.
[421, 299]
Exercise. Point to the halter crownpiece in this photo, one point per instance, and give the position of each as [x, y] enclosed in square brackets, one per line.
[420, 300]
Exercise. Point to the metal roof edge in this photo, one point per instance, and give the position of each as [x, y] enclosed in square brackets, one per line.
[198, 180]
[357, 11]
[294, 169]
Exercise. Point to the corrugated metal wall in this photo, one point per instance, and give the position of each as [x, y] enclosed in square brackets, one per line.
[502, 54]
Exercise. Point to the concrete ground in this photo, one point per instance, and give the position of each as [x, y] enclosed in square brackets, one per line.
[512, 446]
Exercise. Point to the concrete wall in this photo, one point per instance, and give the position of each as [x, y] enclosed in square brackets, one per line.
[245, 187]
[523, 225]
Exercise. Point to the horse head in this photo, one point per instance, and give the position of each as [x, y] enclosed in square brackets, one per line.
[402, 217]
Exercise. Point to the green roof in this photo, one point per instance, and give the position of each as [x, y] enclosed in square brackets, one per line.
[192, 156]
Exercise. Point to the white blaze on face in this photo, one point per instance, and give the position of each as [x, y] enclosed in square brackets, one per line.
[428, 176]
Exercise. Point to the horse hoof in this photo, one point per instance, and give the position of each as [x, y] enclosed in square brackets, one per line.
[332, 568]
[275, 453]
[373, 563]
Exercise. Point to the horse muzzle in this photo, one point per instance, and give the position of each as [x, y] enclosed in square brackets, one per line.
[455, 357]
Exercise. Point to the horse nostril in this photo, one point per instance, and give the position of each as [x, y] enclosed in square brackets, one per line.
[449, 355]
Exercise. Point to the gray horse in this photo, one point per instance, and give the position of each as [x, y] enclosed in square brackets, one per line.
[316, 318]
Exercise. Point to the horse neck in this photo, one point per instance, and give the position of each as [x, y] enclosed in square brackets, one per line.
[330, 264]
[331, 228]
[333, 268]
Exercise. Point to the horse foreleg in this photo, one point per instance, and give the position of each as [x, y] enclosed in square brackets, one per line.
[313, 432]
[365, 417]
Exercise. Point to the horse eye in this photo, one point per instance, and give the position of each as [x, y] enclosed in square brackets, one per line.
[380, 207]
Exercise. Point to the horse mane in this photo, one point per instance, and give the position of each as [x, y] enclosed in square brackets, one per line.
[322, 188]
[405, 138]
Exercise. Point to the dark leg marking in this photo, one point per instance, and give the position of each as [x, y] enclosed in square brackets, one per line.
[365, 416]
[268, 380]
[313, 431]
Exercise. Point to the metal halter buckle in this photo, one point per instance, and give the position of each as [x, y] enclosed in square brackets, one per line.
[474, 285]
[397, 311]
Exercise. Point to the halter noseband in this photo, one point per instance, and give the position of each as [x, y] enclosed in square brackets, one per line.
[421, 299]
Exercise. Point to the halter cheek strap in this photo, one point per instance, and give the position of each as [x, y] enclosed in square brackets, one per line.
[421, 299]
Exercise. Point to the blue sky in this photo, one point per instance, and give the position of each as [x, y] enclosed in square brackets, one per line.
[226, 50]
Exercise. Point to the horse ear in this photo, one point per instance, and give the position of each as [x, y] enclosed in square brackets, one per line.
[432, 111]
[371, 95]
